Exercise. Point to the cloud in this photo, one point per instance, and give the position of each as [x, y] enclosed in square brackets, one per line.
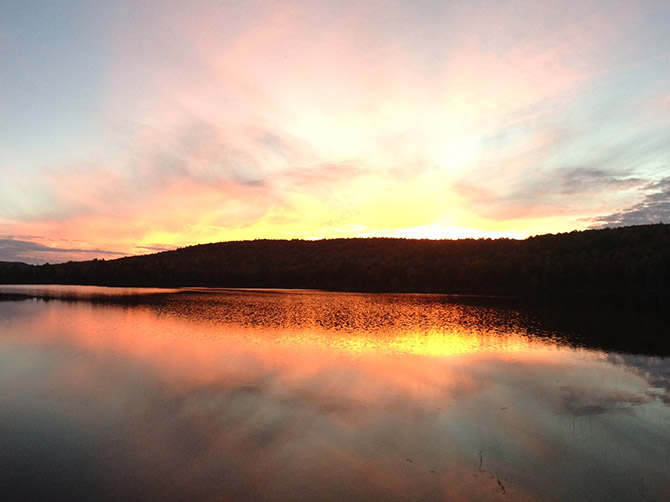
[551, 162]
[207, 407]
[654, 208]
[13, 249]
[578, 402]
[225, 121]
[544, 193]
[655, 371]
[156, 248]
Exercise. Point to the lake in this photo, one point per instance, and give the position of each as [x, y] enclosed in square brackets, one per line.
[149, 394]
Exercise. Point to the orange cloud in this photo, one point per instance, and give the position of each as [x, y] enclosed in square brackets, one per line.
[222, 121]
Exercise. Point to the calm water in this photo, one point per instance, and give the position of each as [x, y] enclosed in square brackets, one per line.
[123, 394]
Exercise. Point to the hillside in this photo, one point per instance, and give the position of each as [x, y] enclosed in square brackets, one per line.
[622, 259]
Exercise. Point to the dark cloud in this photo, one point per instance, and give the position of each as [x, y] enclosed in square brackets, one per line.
[654, 208]
[581, 402]
[12, 249]
[584, 179]
[542, 193]
[156, 248]
[656, 372]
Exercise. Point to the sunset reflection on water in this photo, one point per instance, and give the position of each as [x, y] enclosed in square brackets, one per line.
[307, 395]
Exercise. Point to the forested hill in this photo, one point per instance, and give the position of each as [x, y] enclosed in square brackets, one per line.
[624, 259]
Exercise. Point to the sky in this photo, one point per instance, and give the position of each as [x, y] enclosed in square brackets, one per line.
[130, 127]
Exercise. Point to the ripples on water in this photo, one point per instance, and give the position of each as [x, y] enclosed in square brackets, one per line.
[402, 323]
[290, 395]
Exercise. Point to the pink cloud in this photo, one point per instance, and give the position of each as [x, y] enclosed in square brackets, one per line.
[224, 116]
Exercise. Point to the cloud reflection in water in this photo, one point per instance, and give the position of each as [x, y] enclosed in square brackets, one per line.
[267, 396]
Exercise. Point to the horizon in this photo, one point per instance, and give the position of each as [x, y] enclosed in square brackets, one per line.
[269, 240]
[133, 128]
[263, 239]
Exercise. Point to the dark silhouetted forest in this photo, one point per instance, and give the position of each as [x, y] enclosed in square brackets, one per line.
[627, 259]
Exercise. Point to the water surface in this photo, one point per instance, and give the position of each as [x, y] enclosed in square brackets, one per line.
[303, 395]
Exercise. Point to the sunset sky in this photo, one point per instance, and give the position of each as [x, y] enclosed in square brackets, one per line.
[128, 127]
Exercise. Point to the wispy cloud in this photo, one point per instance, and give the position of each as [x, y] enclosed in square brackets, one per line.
[654, 207]
[577, 164]
[229, 121]
[525, 179]
[14, 249]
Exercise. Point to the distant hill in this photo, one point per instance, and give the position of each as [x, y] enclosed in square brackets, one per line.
[623, 259]
[13, 265]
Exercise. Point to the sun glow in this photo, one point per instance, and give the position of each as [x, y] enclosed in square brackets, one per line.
[151, 337]
[318, 121]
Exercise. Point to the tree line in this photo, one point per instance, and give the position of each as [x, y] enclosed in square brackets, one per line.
[626, 259]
